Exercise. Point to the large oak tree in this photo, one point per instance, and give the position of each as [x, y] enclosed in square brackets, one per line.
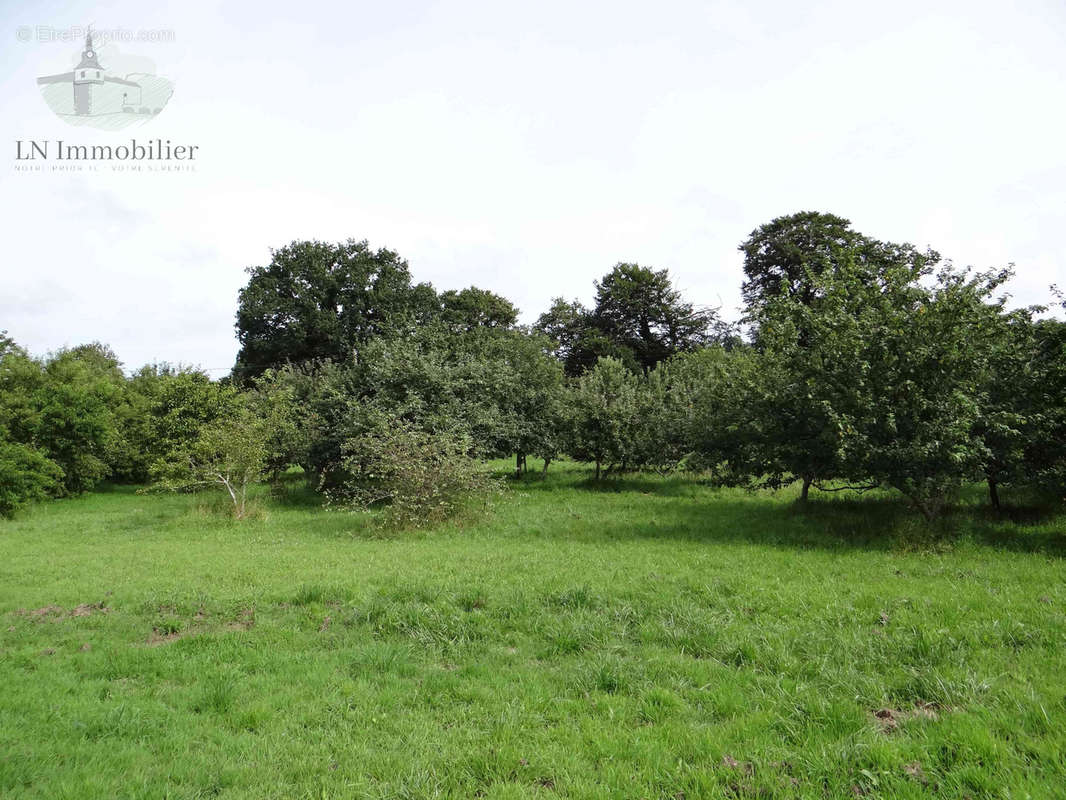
[317, 300]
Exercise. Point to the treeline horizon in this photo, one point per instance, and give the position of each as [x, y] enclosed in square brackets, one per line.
[856, 362]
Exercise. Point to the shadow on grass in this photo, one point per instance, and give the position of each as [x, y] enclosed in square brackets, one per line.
[107, 487]
[289, 493]
[1027, 529]
[664, 486]
[684, 508]
[695, 510]
[872, 524]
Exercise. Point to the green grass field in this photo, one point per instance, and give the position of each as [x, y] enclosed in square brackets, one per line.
[647, 638]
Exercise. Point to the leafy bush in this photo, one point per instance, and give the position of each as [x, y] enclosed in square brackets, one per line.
[418, 478]
[61, 407]
[606, 415]
[229, 453]
[25, 475]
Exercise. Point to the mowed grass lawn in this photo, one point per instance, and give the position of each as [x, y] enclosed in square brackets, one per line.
[649, 638]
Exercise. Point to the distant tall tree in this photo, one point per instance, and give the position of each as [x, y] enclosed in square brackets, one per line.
[319, 300]
[473, 308]
[100, 358]
[563, 324]
[576, 340]
[639, 308]
[639, 319]
[789, 253]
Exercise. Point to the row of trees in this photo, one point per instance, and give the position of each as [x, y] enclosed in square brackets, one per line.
[317, 301]
[865, 363]
[917, 387]
[73, 419]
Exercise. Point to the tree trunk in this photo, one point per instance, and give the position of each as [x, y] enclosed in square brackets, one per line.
[807, 481]
[927, 507]
[993, 493]
[547, 461]
[927, 511]
[597, 469]
[518, 465]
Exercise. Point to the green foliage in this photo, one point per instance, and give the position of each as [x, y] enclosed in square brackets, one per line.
[183, 402]
[567, 326]
[499, 385]
[1045, 449]
[810, 347]
[21, 382]
[163, 408]
[524, 389]
[606, 415]
[789, 254]
[7, 344]
[230, 453]
[26, 475]
[927, 365]
[273, 400]
[317, 300]
[696, 412]
[865, 368]
[418, 478]
[639, 319]
[473, 308]
[78, 429]
[639, 309]
[62, 407]
[1012, 421]
[878, 375]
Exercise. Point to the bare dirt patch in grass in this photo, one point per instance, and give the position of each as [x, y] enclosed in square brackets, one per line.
[889, 719]
[174, 630]
[914, 770]
[54, 612]
[746, 767]
[87, 609]
[245, 621]
[157, 638]
[41, 613]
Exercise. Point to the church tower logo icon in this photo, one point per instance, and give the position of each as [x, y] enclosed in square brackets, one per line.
[110, 91]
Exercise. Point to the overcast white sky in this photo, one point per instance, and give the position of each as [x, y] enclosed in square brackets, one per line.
[526, 148]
